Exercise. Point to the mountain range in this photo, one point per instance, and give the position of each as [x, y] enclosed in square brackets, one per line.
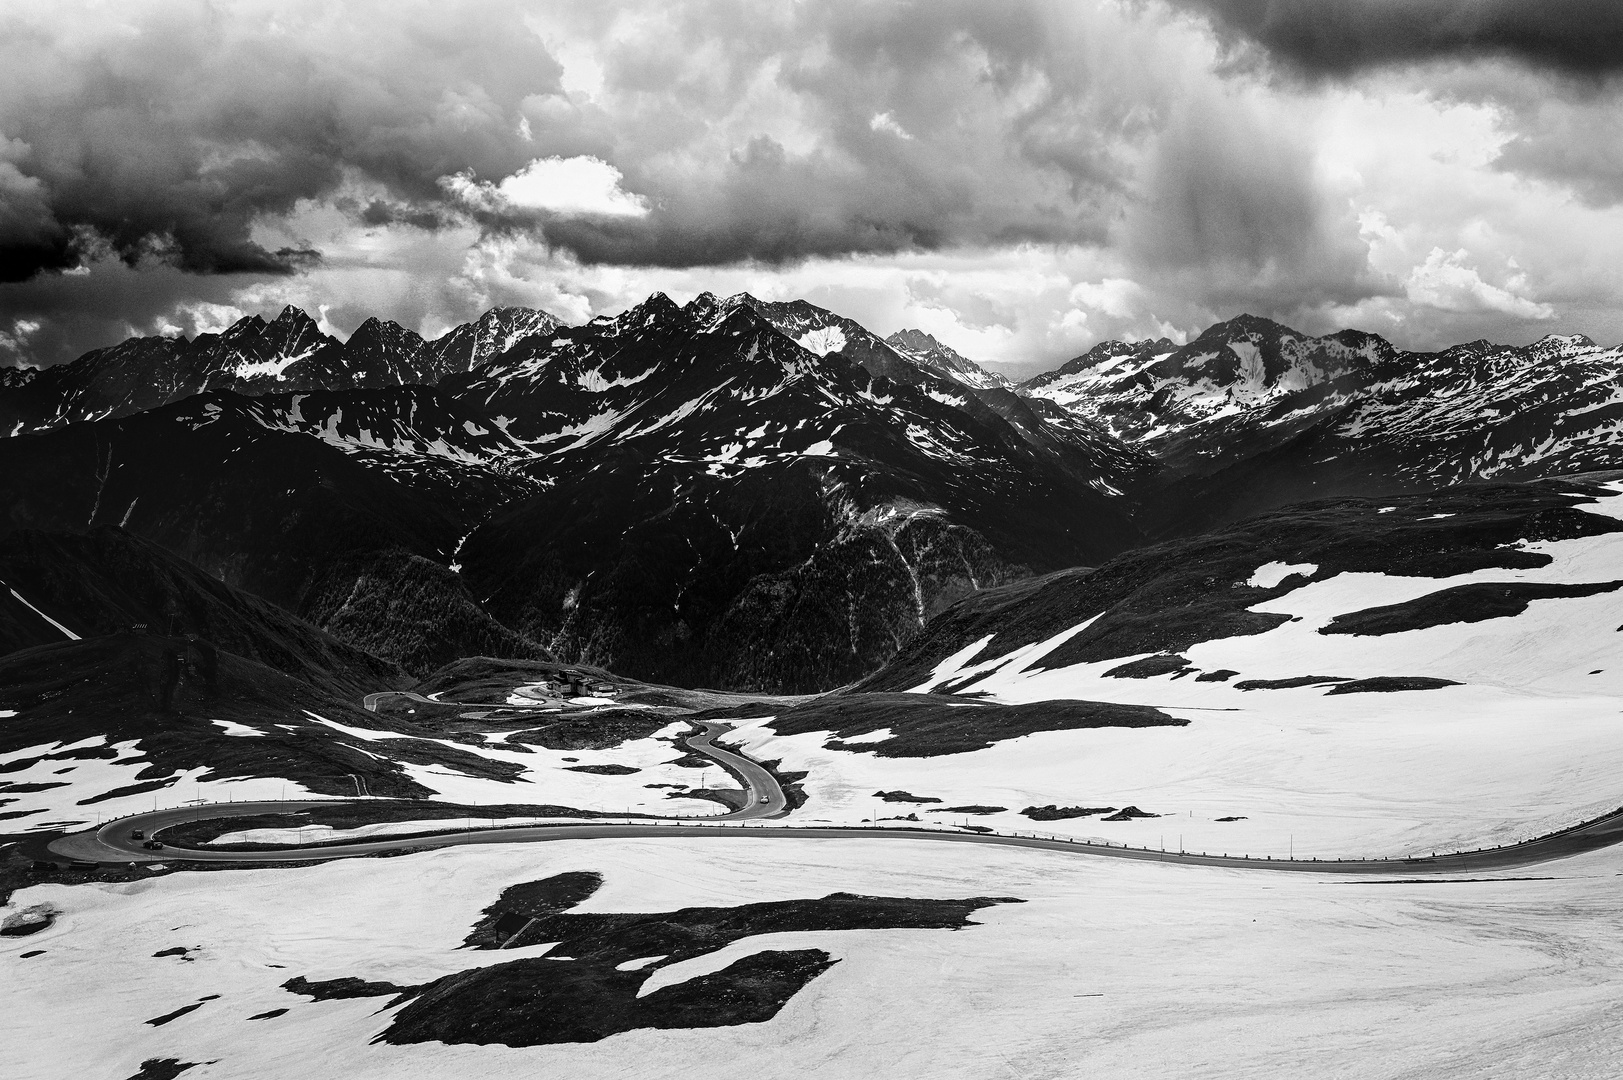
[758, 495]
[1251, 415]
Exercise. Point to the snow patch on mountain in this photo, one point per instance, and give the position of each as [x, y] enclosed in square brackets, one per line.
[275, 367]
[1271, 574]
[823, 340]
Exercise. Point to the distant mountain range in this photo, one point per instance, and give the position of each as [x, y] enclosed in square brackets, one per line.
[1252, 415]
[251, 357]
[738, 493]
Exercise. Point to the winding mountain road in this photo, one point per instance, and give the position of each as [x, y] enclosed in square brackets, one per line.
[371, 702]
[112, 842]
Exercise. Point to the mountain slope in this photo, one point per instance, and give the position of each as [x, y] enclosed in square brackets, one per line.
[758, 494]
[1347, 677]
[927, 352]
[709, 481]
[102, 725]
[301, 499]
[1253, 415]
[107, 581]
[1242, 386]
[1161, 600]
[465, 347]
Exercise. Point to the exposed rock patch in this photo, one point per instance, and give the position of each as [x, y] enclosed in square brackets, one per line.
[928, 725]
[587, 987]
[1387, 684]
[30, 920]
[1475, 602]
[1060, 813]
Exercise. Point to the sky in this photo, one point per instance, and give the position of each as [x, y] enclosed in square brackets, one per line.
[1020, 179]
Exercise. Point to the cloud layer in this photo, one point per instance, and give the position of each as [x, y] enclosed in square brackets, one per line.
[1581, 38]
[1021, 179]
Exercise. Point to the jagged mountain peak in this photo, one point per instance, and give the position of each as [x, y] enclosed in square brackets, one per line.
[704, 308]
[384, 353]
[516, 319]
[293, 328]
[1100, 354]
[1244, 325]
[657, 304]
[1557, 342]
[375, 328]
[293, 314]
[657, 307]
[292, 324]
[708, 308]
[929, 353]
[246, 328]
[465, 347]
[915, 339]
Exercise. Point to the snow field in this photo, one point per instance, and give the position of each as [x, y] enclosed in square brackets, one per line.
[1110, 969]
[548, 779]
[1332, 781]
[1531, 742]
[87, 778]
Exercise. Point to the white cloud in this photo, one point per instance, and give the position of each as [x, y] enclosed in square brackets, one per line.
[1445, 282]
[14, 344]
[887, 123]
[202, 317]
[1113, 296]
[582, 186]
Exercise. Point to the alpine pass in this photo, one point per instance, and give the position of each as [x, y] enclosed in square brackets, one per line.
[839, 539]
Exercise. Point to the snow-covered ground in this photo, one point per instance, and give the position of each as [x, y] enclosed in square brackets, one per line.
[83, 779]
[547, 779]
[1532, 739]
[548, 776]
[1110, 969]
[326, 834]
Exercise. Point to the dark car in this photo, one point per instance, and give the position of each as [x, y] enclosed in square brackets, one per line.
[137, 834]
[153, 845]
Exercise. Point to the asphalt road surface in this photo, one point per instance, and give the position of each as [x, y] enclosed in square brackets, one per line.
[371, 702]
[112, 842]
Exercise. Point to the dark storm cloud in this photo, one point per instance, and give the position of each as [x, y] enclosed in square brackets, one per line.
[1335, 38]
[932, 124]
[192, 140]
[64, 319]
[170, 136]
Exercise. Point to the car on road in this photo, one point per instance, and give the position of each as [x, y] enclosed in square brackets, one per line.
[766, 798]
[153, 845]
[137, 834]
